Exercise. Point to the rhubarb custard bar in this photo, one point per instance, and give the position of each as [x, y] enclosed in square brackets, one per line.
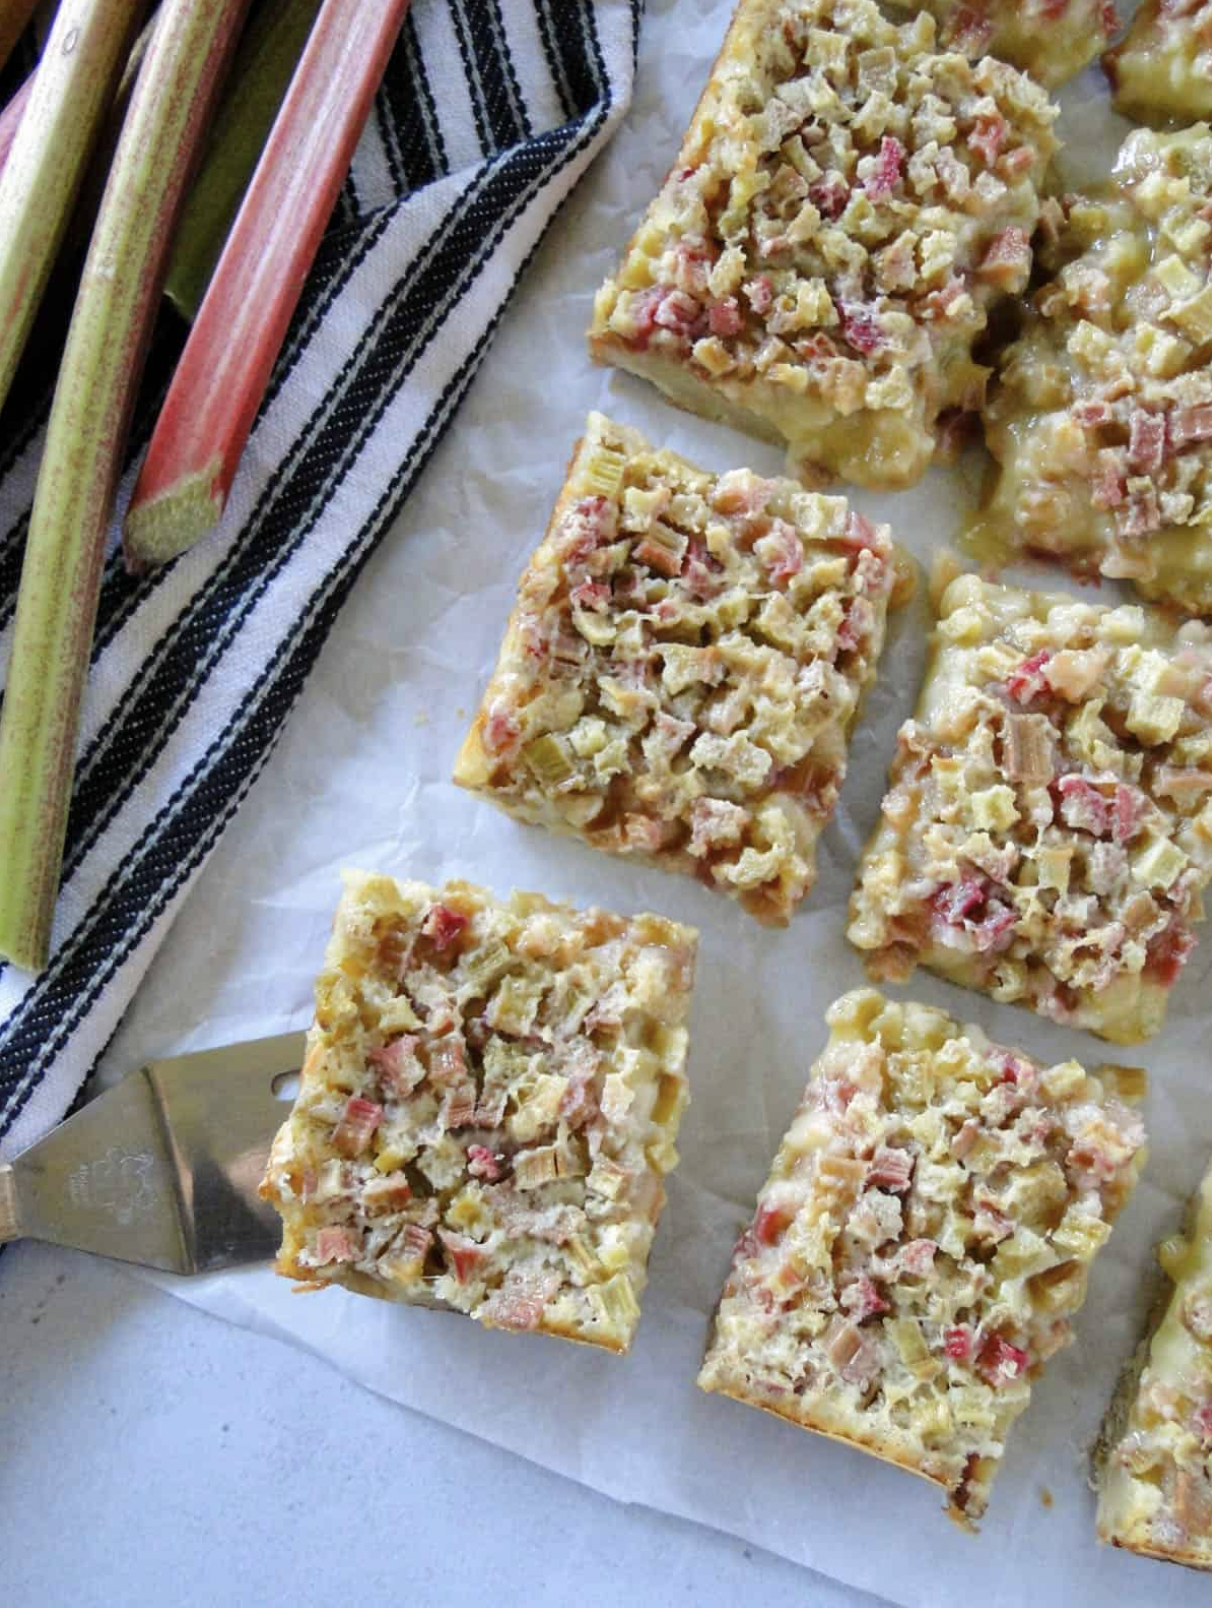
[1048, 824]
[488, 1107]
[1162, 68]
[923, 1239]
[682, 668]
[847, 204]
[1153, 1464]
[1102, 420]
[1052, 39]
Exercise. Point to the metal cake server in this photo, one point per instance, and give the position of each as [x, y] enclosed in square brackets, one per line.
[163, 1168]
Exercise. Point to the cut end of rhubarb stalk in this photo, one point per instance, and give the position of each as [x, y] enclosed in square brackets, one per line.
[28, 951]
[158, 530]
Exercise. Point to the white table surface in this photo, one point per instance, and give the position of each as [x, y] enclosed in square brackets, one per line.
[152, 1454]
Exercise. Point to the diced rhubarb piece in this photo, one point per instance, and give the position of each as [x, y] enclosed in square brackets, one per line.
[957, 1343]
[1028, 680]
[466, 1257]
[1000, 1362]
[357, 1126]
[398, 1065]
[335, 1245]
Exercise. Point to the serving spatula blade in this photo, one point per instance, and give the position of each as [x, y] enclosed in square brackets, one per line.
[163, 1168]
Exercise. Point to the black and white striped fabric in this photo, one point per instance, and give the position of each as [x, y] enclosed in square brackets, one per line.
[488, 115]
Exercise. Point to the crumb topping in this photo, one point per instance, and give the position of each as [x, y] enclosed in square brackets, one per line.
[1048, 825]
[682, 668]
[489, 1104]
[846, 206]
[923, 1240]
[1103, 418]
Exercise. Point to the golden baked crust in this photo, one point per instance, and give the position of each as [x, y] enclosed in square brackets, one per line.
[1102, 418]
[847, 204]
[1155, 1485]
[1051, 39]
[923, 1239]
[1047, 829]
[488, 1108]
[1162, 69]
[681, 671]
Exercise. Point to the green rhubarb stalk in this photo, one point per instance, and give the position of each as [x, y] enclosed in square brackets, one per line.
[260, 75]
[15, 17]
[120, 288]
[67, 99]
[221, 378]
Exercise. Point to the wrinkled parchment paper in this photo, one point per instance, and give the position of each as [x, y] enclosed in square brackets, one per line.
[362, 778]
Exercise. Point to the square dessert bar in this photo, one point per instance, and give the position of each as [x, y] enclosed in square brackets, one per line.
[1051, 39]
[488, 1107]
[922, 1241]
[1048, 824]
[1162, 69]
[1102, 421]
[848, 203]
[680, 674]
[1153, 1464]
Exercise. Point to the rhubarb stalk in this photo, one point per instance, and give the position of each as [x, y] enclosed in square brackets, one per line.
[67, 99]
[15, 18]
[10, 117]
[57, 602]
[225, 367]
[261, 72]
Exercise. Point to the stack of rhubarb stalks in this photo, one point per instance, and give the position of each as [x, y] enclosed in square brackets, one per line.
[197, 152]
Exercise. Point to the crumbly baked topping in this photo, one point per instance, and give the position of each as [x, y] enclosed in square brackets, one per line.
[1048, 824]
[923, 1239]
[1051, 39]
[681, 671]
[1102, 420]
[1162, 68]
[488, 1107]
[1155, 1481]
[846, 205]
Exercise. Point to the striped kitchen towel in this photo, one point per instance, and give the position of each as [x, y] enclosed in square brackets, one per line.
[489, 113]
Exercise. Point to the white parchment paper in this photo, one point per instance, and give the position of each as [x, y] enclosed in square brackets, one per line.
[362, 778]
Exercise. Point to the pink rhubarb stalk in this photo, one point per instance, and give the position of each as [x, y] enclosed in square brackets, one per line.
[11, 116]
[119, 292]
[238, 333]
